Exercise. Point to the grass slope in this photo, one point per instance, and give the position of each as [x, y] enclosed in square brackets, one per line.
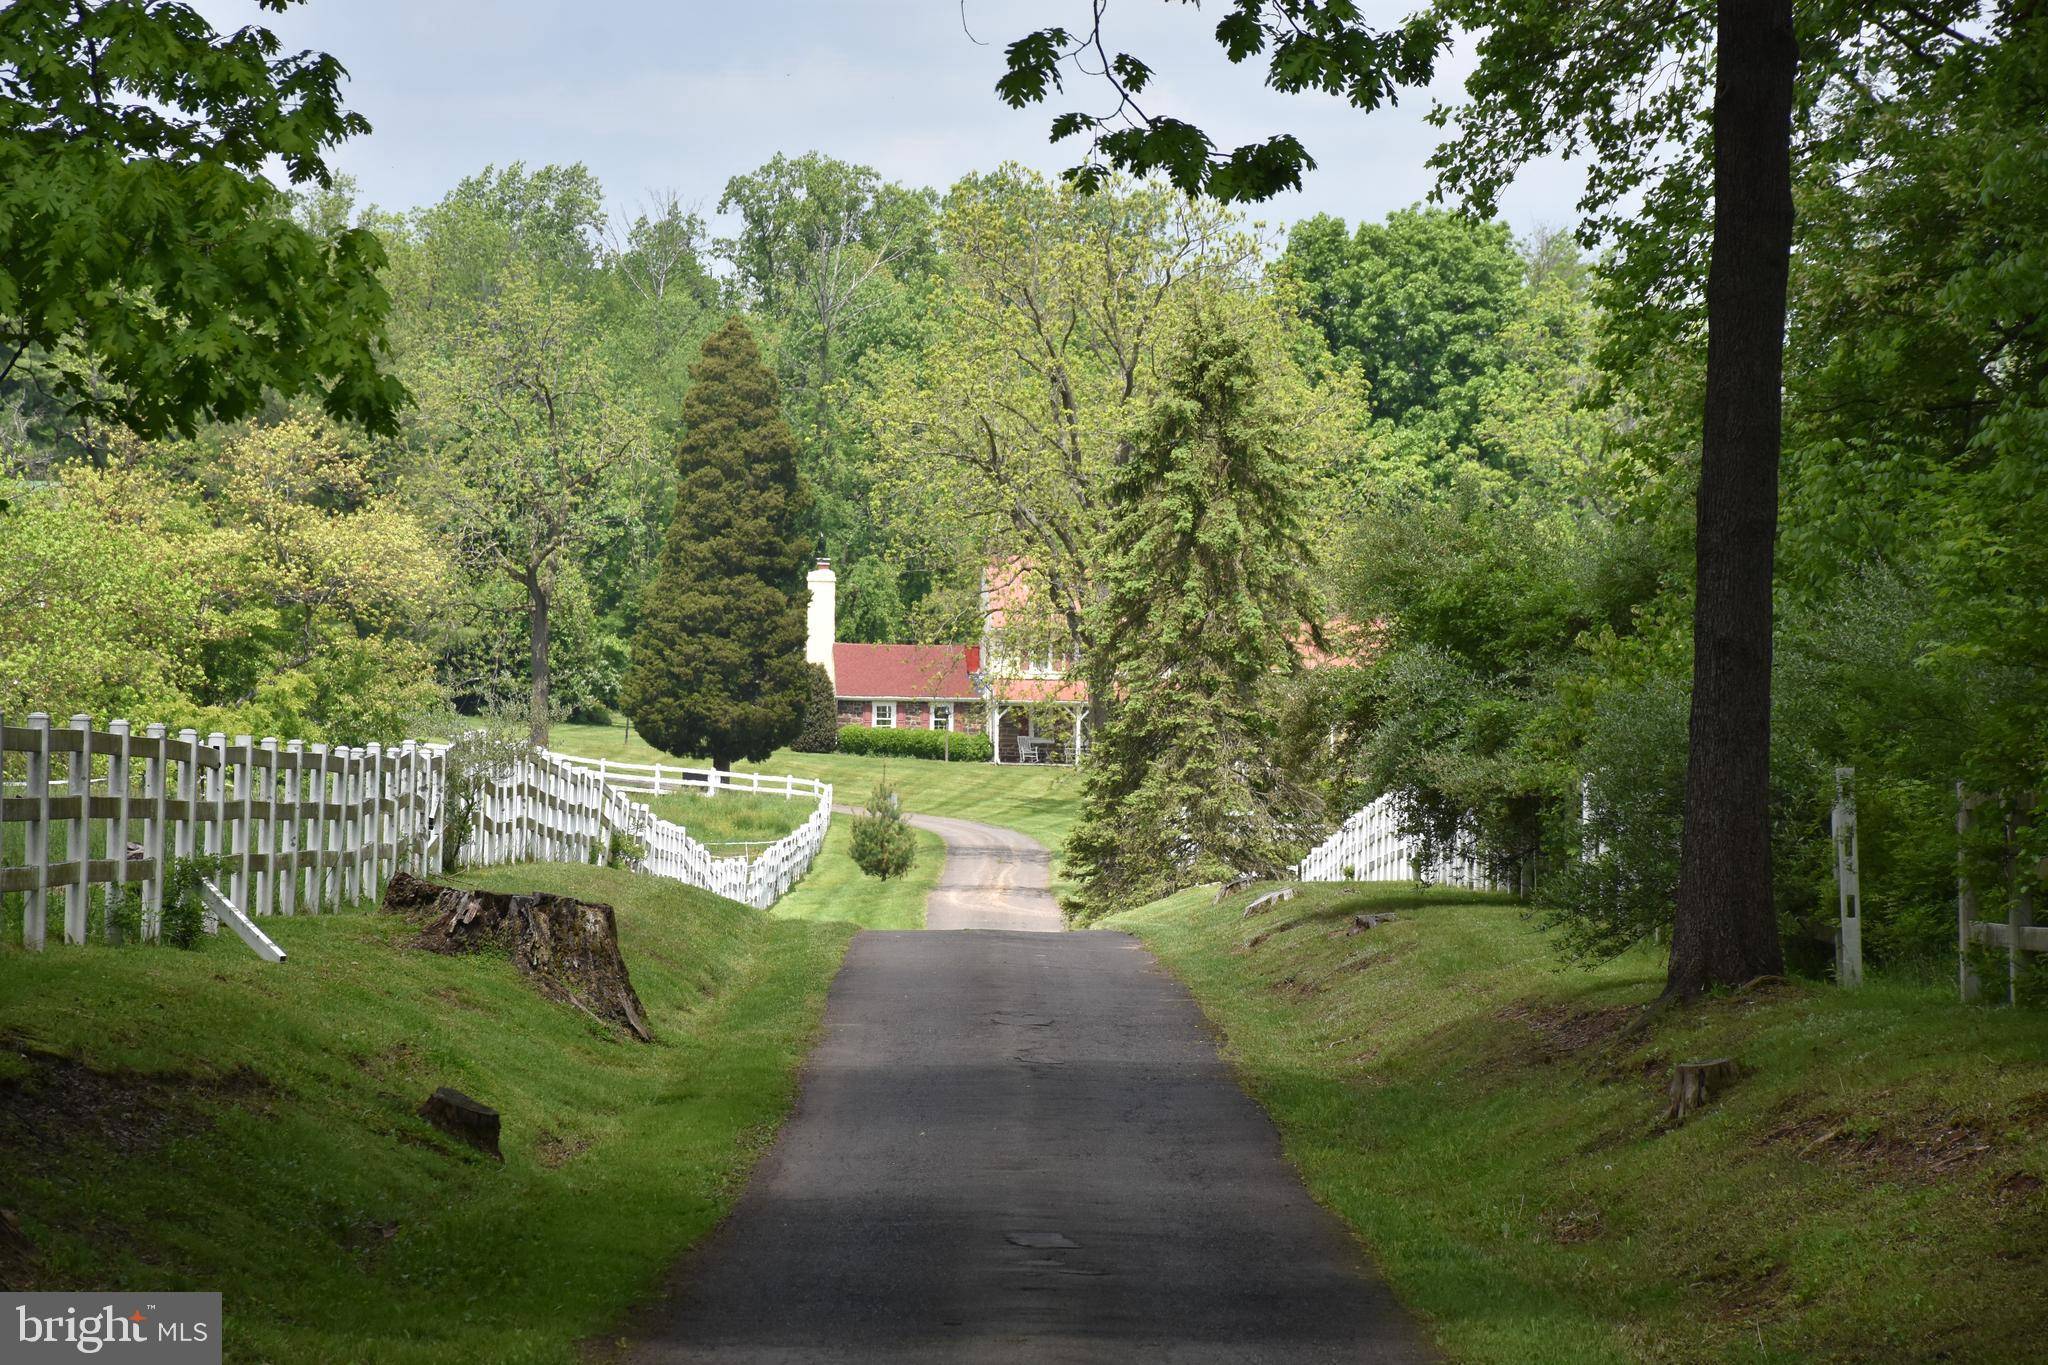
[1038, 801]
[835, 889]
[728, 822]
[1872, 1190]
[201, 1120]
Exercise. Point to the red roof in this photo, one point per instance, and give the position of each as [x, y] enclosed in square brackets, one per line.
[909, 672]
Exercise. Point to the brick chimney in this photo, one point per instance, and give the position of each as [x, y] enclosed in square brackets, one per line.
[824, 617]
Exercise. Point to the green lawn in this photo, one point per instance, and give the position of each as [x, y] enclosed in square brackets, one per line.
[730, 821]
[834, 889]
[1872, 1190]
[201, 1120]
[1038, 801]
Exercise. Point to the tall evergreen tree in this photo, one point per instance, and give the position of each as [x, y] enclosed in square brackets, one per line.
[1205, 599]
[718, 663]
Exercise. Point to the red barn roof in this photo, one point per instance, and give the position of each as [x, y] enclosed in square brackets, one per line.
[908, 672]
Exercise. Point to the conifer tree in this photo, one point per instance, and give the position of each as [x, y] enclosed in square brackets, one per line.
[718, 663]
[1206, 596]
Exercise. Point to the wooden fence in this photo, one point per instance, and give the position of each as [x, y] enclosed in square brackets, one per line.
[293, 827]
[99, 815]
[1370, 846]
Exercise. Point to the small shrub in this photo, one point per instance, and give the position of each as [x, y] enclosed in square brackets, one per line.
[184, 914]
[821, 716]
[882, 843]
[932, 744]
[623, 850]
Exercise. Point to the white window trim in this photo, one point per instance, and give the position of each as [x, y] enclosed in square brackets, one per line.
[935, 707]
[882, 708]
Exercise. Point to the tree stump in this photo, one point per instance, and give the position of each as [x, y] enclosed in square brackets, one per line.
[568, 948]
[459, 1116]
[1268, 901]
[1694, 1083]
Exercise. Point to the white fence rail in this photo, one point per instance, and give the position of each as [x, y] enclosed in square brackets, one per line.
[1370, 847]
[301, 828]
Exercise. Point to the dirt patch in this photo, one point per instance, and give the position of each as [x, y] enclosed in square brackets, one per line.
[1561, 1032]
[1930, 1147]
[1574, 1226]
[1747, 1292]
[1256, 939]
[2016, 1188]
[62, 1109]
[553, 1150]
[449, 995]
[1295, 988]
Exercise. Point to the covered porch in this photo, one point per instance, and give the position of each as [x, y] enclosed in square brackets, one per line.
[1051, 731]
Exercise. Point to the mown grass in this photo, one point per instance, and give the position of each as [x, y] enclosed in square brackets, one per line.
[1872, 1190]
[731, 821]
[201, 1120]
[836, 890]
[1038, 801]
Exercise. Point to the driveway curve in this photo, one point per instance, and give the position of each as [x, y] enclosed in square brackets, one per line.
[994, 878]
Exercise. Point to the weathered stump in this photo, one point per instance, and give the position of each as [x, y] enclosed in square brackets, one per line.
[569, 948]
[1268, 901]
[459, 1116]
[1694, 1083]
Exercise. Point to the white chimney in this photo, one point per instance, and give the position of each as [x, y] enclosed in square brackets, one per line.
[824, 617]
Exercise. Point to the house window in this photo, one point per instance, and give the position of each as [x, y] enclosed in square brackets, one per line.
[942, 715]
[885, 715]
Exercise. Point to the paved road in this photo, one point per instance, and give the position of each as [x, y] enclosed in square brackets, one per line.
[1022, 1147]
[994, 878]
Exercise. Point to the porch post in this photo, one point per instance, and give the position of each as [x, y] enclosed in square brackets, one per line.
[1077, 734]
[995, 728]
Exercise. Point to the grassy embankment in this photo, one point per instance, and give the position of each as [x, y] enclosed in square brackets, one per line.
[201, 1120]
[1038, 801]
[1872, 1190]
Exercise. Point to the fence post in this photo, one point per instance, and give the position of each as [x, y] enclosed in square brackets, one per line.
[36, 847]
[155, 778]
[373, 847]
[286, 876]
[118, 782]
[243, 894]
[263, 831]
[2019, 911]
[78, 833]
[1966, 895]
[1848, 883]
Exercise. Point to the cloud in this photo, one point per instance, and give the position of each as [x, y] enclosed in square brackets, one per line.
[652, 94]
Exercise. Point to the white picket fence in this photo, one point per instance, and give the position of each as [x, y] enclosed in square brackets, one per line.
[759, 881]
[1370, 847]
[301, 828]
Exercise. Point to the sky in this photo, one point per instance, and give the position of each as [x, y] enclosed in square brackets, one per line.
[681, 94]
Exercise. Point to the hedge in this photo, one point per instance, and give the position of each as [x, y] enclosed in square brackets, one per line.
[966, 748]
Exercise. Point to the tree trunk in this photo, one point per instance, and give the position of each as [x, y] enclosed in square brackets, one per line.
[1725, 931]
[538, 600]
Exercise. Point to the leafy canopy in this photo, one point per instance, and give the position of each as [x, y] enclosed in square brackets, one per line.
[141, 247]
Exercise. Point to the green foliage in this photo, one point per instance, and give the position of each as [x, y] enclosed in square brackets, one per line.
[820, 734]
[871, 608]
[145, 258]
[942, 745]
[883, 844]
[718, 666]
[480, 756]
[184, 908]
[1421, 304]
[623, 851]
[1207, 595]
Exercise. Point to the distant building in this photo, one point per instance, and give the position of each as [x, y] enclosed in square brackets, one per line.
[1030, 706]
